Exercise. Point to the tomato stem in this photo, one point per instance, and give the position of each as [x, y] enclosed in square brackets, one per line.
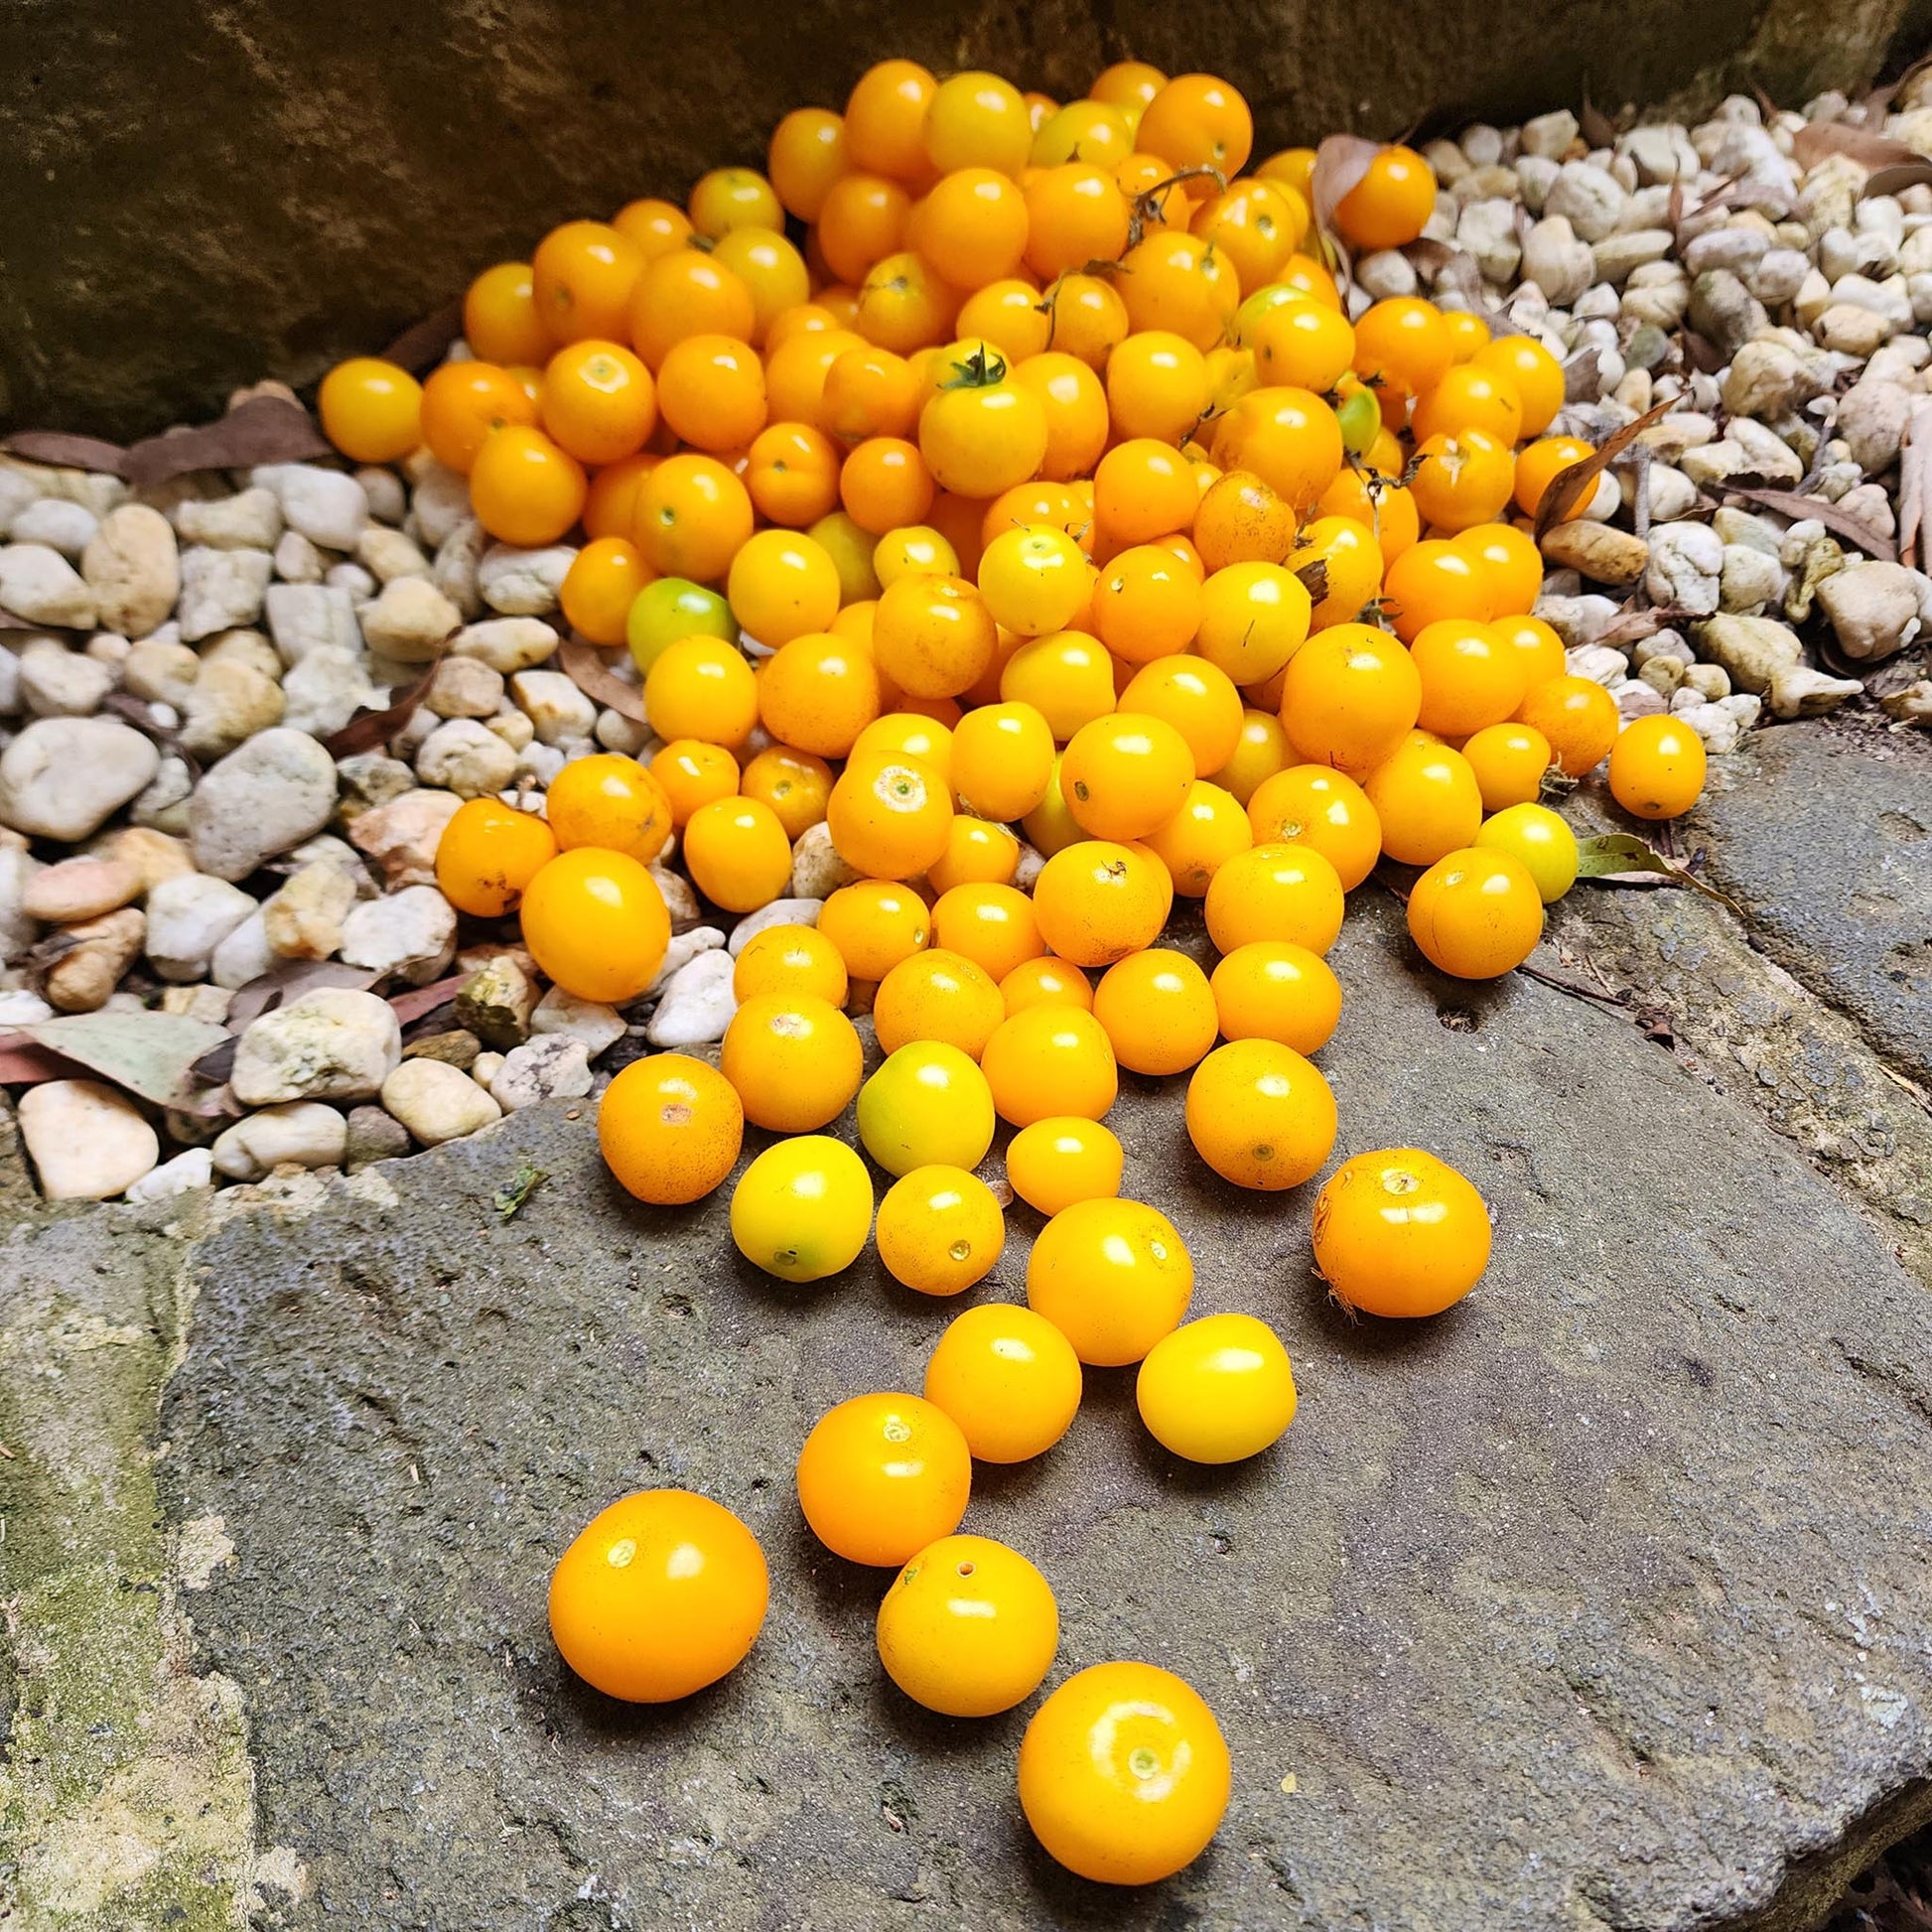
[980, 370]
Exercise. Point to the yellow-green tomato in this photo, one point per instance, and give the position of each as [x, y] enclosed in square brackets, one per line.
[927, 1106]
[1217, 1390]
[1541, 840]
[1248, 318]
[803, 1208]
[671, 609]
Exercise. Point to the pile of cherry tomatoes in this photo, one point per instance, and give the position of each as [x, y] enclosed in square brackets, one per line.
[987, 470]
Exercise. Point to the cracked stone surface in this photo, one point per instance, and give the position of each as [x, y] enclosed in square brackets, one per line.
[1597, 1602]
[1826, 835]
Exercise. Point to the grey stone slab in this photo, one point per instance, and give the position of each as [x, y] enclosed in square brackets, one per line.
[1600, 1600]
[1824, 833]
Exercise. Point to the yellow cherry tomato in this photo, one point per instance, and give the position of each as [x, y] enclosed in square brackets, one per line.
[1261, 1115]
[1542, 840]
[927, 1105]
[1113, 1276]
[880, 1476]
[1009, 1378]
[1217, 1390]
[595, 924]
[1398, 1232]
[939, 1230]
[1272, 989]
[803, 1208]
[1062, 1160]
[1123, 1774]
[969, 1628]
[659, 1595]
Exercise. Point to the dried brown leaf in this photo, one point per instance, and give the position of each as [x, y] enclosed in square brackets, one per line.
[264, 429]
[215, 1067]
[289, 981]
[68, 452]
[424, 343]
[1596, 125]
[1878, 103]
[24, 1064]
[8, 622]
[1895, 180]
[1817, 139]
[1582, 376]
[368, 729]
[1566, 486]
[420, 1000]
[1634, 626]
[1787, 502]
[1916, 480]
[1315, 578]
[584, 665]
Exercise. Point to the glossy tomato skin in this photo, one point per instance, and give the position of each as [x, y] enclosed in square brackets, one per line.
[1123, 1774]
[670, 1127]
[968, 1629]
[883, 1475]
[595, 924]
[1217, 1390]
[661, 1593]
[1398, 1232]
[1009, 1378]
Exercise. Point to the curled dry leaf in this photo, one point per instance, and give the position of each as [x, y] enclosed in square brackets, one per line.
[584, 665]
[424, 343]
[1566, 486]
[68, 452]
[1596, 126]
[1315, 578]
[1914, 479]
[264, 429]
[1631, 627]
[1340, 162]
[1916, 173]
[1854, 529]
[1817, 139]
[289, 981]
[420, 1000]
[368, 729]
[1582, 376]
[215, 1067]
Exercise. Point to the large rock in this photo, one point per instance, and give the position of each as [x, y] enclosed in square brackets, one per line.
[1598, 1601]
[337, 226]
[275, 792]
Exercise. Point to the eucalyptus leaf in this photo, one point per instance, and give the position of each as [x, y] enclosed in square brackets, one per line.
[1623, 859]
[152, 1055]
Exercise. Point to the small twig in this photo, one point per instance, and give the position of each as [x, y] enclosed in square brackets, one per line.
[1575, 992]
